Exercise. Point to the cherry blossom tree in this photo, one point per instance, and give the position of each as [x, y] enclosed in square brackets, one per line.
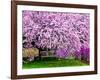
[65, 32]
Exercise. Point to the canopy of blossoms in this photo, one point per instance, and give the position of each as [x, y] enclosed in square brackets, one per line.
[56, 30]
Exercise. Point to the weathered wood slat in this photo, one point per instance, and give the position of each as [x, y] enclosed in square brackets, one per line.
[48, 56]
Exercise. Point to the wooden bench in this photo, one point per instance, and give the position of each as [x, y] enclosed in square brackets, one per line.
[47, 54]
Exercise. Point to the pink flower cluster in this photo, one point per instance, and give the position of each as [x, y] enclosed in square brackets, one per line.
[56, 30]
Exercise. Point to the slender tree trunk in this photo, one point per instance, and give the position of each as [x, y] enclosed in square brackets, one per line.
[39, 55]
[82, 56]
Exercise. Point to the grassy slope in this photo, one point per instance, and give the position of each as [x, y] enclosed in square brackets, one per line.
[48, 62]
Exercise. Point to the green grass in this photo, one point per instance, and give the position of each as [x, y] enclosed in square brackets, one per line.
[53, 62]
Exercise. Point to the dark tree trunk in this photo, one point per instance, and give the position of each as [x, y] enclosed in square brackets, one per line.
[39, 55]
[82, 56]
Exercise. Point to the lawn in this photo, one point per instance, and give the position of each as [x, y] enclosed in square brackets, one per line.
[53, 62]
